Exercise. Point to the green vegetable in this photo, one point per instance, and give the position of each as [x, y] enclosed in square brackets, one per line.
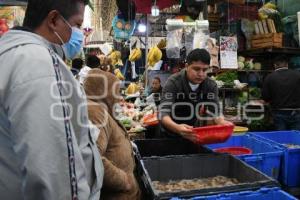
[127, 125]
[255, 92]
[227, 77]
[241, 65]
[249, 64]
[241, 59]
[257, 125]
[257, 66]
[261, 125]
[126, 122]
[243, 97]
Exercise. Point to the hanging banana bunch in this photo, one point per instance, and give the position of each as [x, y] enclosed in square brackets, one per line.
[162, 44]
[115, 57]
[132, 89]
[119, 74]
[154, 56]
[135, 54]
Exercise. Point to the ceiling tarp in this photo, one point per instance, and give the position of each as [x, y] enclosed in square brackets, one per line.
[13, 2]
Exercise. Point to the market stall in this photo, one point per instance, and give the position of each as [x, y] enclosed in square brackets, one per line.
[230, 147]
[242, 37]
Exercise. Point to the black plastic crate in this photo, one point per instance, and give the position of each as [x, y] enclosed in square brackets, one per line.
[163, 148]
[201, 166]
[167, 147]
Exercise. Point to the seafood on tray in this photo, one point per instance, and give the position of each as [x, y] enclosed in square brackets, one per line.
[194, 184]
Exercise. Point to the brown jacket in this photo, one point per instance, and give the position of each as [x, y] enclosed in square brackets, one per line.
[113, 142]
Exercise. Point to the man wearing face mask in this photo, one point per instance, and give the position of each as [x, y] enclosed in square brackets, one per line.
[47, 145]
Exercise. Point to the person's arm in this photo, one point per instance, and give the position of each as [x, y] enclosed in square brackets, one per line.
[221, 121]
[39, 140]
[183, 130]
[115, 179]
[165, 111]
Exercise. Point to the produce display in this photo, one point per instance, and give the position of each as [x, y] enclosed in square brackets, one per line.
[132, 89]
[150, 119]
[116, 58]
[227, 78]
[243, 97]
[259, 125]
[134, 118]
[255, 92]
[194, 184]
[239, 85]
[248, 64]
[269, 11]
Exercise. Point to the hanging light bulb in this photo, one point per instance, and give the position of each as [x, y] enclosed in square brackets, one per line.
[142, 28]
[155, 10]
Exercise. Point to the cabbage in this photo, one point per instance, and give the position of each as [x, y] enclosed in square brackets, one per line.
[241, 59]
[257, 66]
[241, 65]
[249, 65]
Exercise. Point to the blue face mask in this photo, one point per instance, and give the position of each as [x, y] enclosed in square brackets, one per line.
[74, 46]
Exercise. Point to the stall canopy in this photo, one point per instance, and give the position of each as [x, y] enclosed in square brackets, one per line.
[13, 2]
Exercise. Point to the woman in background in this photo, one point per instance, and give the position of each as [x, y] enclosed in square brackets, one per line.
[102, 89]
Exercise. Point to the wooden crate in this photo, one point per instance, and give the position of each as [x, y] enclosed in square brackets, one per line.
[266, 41]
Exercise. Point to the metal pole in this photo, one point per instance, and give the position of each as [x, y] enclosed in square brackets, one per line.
[146, 51]
[100, 20]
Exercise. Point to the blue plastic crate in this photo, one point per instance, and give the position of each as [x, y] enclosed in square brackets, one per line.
[262, 194]
[265, 156]
[290, 170]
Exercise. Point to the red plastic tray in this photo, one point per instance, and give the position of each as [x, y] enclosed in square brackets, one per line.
[236, 151]
[213, 134]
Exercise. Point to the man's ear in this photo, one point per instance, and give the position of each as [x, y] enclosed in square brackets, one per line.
[52, 20]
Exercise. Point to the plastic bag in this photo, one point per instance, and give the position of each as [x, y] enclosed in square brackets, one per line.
[174, 38]
[247, 27]
[174, 44]
[201, 34]
[189, 39]
[291, 31]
